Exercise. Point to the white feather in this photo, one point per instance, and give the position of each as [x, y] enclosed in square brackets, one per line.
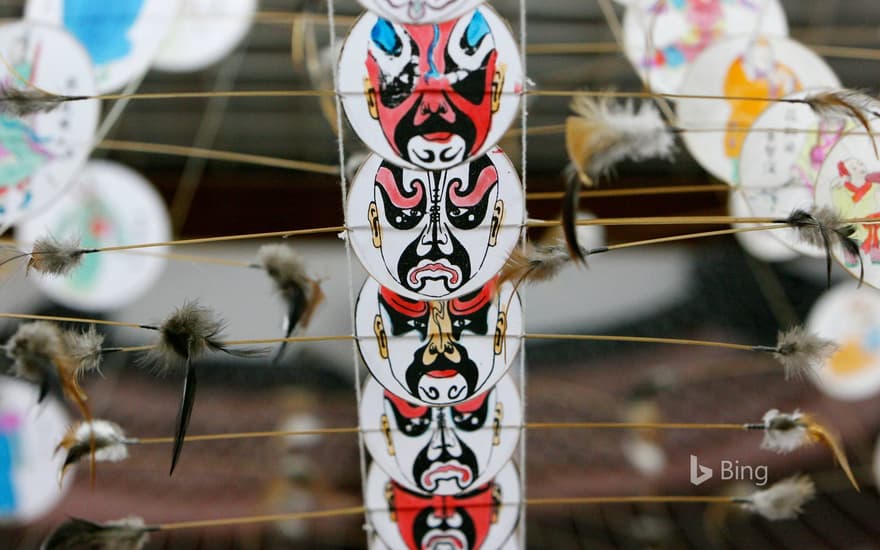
[110, 440]
[783, 500]
[784, 432]
[622, 131]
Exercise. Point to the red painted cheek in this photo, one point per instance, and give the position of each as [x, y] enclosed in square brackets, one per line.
[486, 180]
[407, 410]
[404, 306]
[472, 405]
[386, 180]
[463, 308]
[389, 118]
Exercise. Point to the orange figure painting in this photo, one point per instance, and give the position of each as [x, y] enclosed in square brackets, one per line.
[755, 73]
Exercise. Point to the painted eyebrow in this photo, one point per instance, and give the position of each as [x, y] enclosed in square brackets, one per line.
[383, 35]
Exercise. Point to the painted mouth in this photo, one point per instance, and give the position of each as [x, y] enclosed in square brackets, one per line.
[447, 373]
[441, 541]
[434, 270]
[439, 137]
[448, 470]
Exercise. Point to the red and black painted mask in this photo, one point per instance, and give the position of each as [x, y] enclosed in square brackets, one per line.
[439, 522]
[434, 88]
[437, 227]
[440, 446]
[430, 334]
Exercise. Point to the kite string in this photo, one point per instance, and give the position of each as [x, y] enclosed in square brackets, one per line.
[597, 425]
[523, 502]
[524, 143]
[343, 187]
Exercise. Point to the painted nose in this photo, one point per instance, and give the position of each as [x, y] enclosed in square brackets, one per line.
[434, 103]
[440, 341]
[444, 438]
[435, 234]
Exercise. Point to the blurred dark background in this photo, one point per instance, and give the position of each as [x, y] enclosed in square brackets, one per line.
[709, 289]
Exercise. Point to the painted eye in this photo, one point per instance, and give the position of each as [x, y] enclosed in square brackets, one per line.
[470, 43]
[397, 57]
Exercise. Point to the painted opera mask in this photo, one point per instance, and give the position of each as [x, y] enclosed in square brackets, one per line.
[438, 353]
[435, 234]
[482, 518]
[441, 450]
[431, 96]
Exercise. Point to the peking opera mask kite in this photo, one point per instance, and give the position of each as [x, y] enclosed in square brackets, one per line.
[438, 353]
[430, 96]
[441, 450]
[435, 234]
[483, 518]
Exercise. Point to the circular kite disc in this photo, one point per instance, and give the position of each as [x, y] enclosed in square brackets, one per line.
[441, 450]
[204, 32]
[431, 96]
[679, 31]
[108, 205]
[847, 183]
[484, 517]
[778, 168]
[41, 152]
[399, 340]
[420, 11]
[743, 67]
[850, 317]
[760, 244]
[431, 235]
[121, 36]
[29, 465]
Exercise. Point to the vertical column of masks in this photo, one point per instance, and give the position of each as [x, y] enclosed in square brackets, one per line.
[433, 215]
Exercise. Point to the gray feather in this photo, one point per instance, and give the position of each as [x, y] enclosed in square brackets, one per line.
[53, 256]
[33, 349]
[85, 347]
[22, 102]
[80, 534]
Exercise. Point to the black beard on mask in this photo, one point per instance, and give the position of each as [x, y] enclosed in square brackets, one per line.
[467, 458]
[466, 367]
[407, 129]
[467, 528]
[410, 258]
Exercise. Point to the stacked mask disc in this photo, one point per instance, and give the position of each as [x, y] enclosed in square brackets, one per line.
[433, 213]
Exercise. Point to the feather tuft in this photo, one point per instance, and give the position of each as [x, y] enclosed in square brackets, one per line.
[39, 355]
[824, 228]
[846, 104]
[191, 331]
[53, 256]
[783, 500]
[22, 102]
[539, 263]
[603, 133]
[124, 534]
[86, 348]
[34, 349]
[801, 352]
[301, 294]
[105, 439]
[188, 333]
[784, 432]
